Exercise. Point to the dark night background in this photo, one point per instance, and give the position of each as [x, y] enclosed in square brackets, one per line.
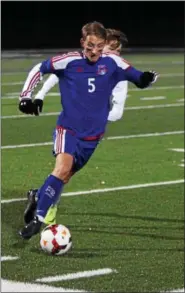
[57, 24]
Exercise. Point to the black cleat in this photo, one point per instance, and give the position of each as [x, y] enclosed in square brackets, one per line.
[31, 229]
[29, 212]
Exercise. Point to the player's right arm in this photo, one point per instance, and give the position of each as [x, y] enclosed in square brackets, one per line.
[50, 82]
[26, 105]
[51, 66]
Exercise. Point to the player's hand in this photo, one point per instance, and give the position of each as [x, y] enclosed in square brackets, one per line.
[147, 78]
[26, 106]
[38, 104]
[154, 76]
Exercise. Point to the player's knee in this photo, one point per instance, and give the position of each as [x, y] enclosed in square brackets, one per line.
[63, 167]
[62, 172]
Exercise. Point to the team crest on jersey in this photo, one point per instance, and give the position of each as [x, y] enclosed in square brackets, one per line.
[102, 69]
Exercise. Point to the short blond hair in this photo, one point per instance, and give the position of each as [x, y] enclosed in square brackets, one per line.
[94, 28]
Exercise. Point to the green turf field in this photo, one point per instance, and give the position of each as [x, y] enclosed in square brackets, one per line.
[127, 218]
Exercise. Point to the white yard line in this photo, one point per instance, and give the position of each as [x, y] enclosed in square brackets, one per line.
[7, 258]
[171, 74]
[180, 150]
[12, 83]
[181, 165]
[13, 286]
[26, 145]
[158, 88]
[153, 98]
[106, 138]
[144, 135]
[126, 109]
[104, 190]
[130, 90]
[79, 275]
[175, 291]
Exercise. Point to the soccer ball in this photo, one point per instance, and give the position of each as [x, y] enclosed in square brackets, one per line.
[56, 239]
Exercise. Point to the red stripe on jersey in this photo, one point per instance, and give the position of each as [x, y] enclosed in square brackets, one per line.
[67, 54]
[32, 82]
[59, 141]
[128, 67]
[37, 77]
[31, 87]
[111, 53]
[126, 61]
[91, 138]
[64, 56]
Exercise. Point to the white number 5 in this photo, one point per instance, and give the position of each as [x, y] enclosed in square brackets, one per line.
[91, 85]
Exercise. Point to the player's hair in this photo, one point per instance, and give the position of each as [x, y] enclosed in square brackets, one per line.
[116, 39]
[94, 28]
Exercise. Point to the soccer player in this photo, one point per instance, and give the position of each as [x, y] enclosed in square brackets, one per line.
[116, 40]
[86, 81]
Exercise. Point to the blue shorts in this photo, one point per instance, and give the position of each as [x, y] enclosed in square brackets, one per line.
[81, 150]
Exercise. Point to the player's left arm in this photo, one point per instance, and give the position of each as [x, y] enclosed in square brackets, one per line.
[139, 78]
[127, 72]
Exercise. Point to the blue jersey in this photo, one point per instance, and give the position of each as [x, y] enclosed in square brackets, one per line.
[85, 89]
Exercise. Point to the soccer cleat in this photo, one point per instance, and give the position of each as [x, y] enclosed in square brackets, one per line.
[31, 229]
[50, 218]
[29, 212]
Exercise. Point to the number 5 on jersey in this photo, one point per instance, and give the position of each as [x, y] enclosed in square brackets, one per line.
[91, 85]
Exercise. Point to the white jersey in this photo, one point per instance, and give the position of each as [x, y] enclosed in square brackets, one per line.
[119, 95]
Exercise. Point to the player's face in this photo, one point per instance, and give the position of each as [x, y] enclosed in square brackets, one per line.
[93, 47]
[108, 47]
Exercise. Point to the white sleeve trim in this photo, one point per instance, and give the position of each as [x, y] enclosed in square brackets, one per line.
[119, 61]
[50, 82]
[32, 81]
[61, 62]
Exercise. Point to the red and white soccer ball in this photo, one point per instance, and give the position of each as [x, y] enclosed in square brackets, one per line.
[56, 239]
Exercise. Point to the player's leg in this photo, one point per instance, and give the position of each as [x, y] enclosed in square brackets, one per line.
[31, 207]
[32, 194]
[50, 192]
[50, 218]
[29, 212]
[84, 150]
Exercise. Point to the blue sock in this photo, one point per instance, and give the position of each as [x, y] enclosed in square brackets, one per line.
[48, 194]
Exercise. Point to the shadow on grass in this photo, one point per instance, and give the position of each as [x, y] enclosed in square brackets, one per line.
[12, 217]
[74, 253]
[135, 217]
